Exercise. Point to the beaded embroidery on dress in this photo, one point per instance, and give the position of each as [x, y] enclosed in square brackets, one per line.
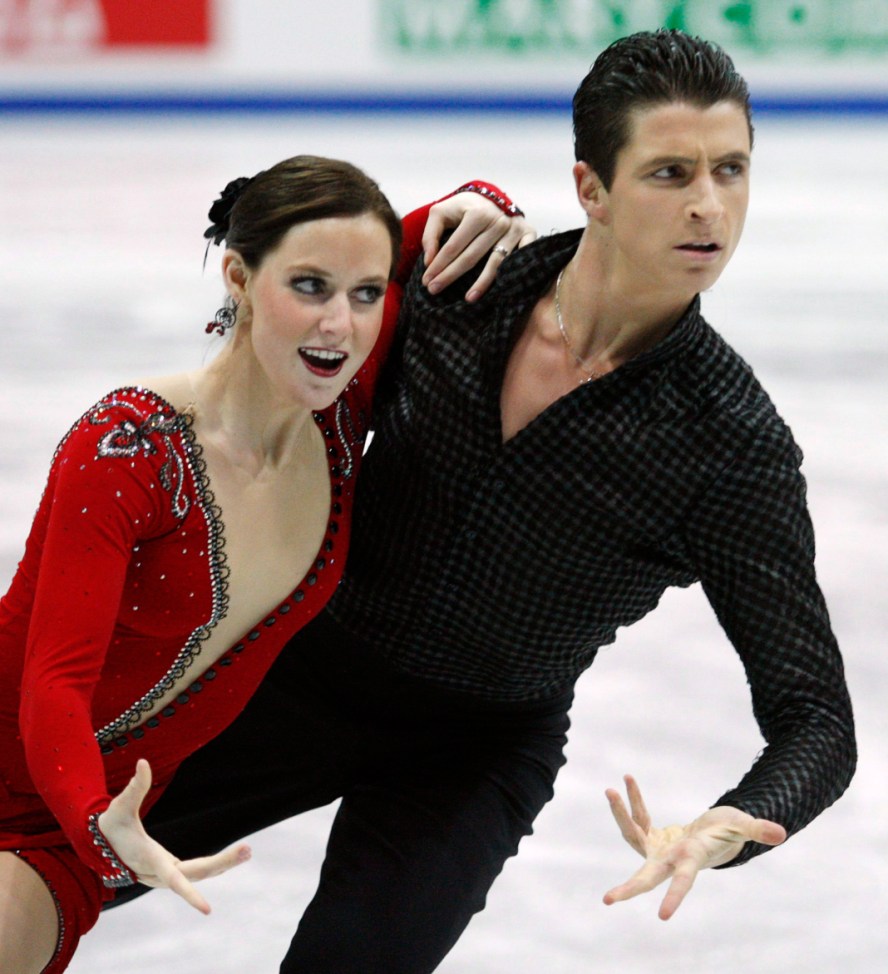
[183, 453]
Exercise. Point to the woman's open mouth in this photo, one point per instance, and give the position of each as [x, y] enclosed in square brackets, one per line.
[323, 361]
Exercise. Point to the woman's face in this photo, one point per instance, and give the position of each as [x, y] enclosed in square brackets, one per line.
[315, 306]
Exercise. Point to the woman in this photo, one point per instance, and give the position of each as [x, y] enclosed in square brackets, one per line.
[176, 517]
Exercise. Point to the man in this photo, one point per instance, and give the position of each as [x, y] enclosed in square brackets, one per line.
[547, 461]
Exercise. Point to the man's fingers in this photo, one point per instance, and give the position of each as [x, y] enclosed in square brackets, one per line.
[209, 866]
[767, 832]
[620, 814]
[629, 828]
[731, 825]
[682, 880]
[636, 802]
[650, 875]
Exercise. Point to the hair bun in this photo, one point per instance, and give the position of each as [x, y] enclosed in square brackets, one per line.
[220, 211]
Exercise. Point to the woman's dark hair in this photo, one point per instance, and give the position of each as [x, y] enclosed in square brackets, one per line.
[640, 71]
[253, 215]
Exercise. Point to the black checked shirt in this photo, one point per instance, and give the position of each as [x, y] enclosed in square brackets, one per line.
[499, 569]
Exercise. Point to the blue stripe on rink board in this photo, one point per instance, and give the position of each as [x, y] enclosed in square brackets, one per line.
[197, 103]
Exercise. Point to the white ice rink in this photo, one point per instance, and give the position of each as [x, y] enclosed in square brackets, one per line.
[101, 283]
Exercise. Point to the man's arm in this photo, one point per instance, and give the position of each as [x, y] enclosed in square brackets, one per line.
[751, 538]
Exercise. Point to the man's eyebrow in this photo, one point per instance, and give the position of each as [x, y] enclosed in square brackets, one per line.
[736, 156]
[733, 156]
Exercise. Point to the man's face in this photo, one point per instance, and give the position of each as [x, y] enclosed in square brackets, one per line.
[679, 196]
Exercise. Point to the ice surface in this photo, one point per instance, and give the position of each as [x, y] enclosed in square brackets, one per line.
[101, 283]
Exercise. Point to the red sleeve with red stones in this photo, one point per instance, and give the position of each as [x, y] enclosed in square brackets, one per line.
[92, 515]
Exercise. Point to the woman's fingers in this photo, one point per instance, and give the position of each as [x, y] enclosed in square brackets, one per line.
[174, 879]
[503, 247]
[480, 232]
[180, 876]
[209, 866]
[470, 218]
[465, 247]
[125, 806]
[129, 801]
[161, 869]
[152, 864]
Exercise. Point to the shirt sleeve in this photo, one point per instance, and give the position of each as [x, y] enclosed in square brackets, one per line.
[95, 511]
[752, 539]
[412, 227]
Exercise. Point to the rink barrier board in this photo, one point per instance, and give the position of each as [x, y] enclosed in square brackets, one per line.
[216, 103]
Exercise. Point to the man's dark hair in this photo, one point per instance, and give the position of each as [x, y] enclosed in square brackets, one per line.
[640, 71]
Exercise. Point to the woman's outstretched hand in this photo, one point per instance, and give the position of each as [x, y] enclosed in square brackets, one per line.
[679, 852]
[148, 860]
[480, 226]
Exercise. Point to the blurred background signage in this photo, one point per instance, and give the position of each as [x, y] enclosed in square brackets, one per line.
[286, 54]
[70, 26]
[557, 27]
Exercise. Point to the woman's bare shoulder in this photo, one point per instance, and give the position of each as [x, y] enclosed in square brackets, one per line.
[177, 390]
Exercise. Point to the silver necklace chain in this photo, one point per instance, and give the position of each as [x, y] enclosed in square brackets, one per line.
[581, 362]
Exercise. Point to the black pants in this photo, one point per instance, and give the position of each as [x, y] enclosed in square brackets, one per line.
[437, 791]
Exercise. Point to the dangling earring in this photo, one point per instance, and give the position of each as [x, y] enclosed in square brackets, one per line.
[225, 318]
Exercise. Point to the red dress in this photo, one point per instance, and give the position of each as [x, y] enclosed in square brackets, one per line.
[122, 579]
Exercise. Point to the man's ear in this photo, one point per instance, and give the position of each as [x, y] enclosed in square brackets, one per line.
[591, 193]
[235, 273]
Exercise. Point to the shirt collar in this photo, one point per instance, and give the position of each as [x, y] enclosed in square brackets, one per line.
[530, 270]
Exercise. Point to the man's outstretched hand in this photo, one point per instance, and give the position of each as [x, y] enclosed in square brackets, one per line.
[678, 852]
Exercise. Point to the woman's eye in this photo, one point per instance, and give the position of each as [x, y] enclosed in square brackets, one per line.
[308, 285]
[369, 294]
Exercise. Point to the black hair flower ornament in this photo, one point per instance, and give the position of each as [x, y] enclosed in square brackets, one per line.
[220, 211]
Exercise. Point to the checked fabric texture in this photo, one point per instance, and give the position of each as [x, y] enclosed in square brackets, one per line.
[499, 569]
